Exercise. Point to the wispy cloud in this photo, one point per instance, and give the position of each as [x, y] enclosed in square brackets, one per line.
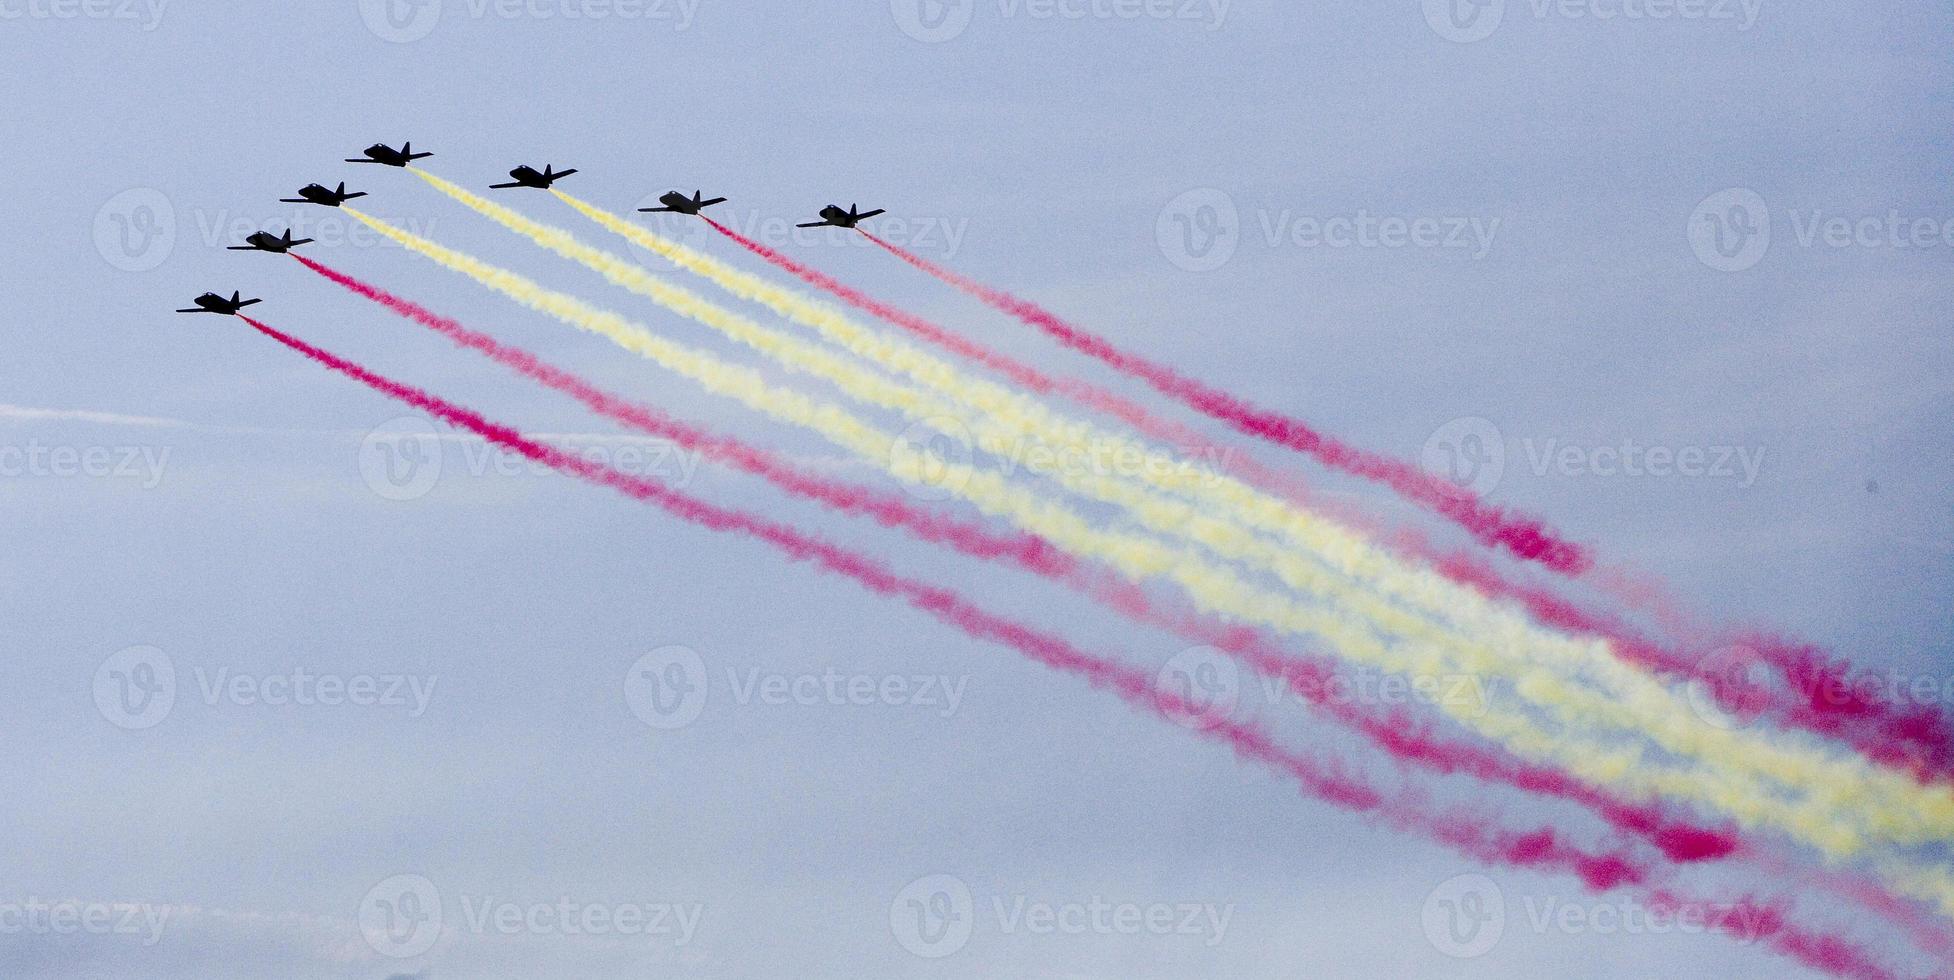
[22, 413]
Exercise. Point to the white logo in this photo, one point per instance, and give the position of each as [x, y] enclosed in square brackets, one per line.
[136, 687]
[1464, 21]
[1468, 452]
[1199, 230]
[685, 229]
[666, 688]
[1729, 689]
[932, 917]
[1207, 684]
[401, 459]
[932, 21]
[136, 229]
[932, 458]
[1731, 230]
[401, 917]
[401, 21]
[1465, 916]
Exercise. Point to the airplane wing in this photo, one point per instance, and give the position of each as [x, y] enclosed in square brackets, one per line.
[812, 224]
[248, 302]
[716, 200]
[293, 200]
[353, 195]
[870, 214]
[237, 248]
[497, 187]
[193, 311]
[652, 210]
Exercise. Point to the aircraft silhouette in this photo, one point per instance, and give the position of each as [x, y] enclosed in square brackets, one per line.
[382, 153]
[213, 303]
[264, 241]
[674, 201]
[526, 176]
[834, 215]
[319, 194]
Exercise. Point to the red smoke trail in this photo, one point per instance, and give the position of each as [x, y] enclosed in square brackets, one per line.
[1542, 849]
[1314, 678]
[1833, 696]
[1919, 739]
[1523, 536]
[1160, 429]
[1027, 551]
[1751, 921]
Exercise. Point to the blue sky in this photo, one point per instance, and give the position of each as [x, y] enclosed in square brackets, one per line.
[1637, 254]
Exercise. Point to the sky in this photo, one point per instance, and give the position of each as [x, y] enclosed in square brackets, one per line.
[1639, 251]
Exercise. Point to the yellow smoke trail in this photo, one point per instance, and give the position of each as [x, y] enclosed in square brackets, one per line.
[1215, 588]
[1902, 809]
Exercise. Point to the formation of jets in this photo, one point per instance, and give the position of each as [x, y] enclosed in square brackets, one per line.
[831, 216]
